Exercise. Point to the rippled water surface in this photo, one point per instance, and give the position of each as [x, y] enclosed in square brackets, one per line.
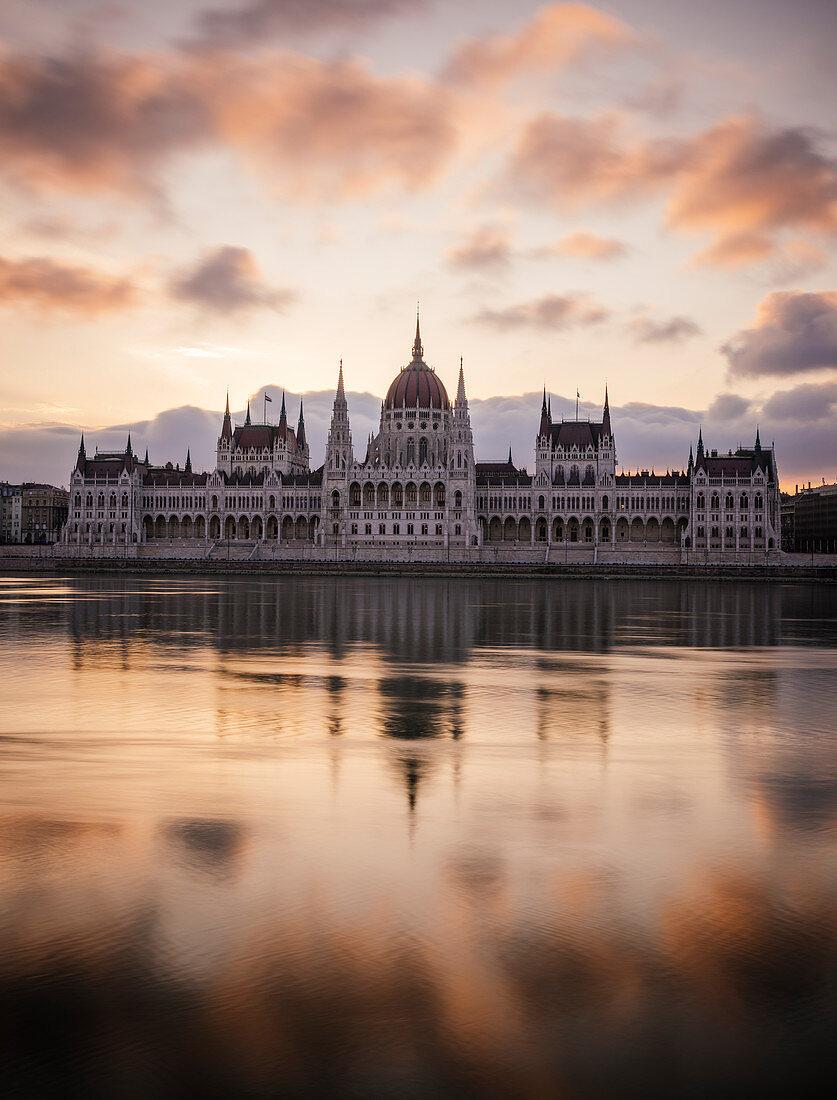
[417, 838]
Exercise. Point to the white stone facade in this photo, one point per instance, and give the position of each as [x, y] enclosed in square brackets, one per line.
[419, 489]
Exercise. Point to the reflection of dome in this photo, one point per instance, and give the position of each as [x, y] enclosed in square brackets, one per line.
[416, 385]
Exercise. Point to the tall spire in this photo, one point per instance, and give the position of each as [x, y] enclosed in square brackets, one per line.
[691, 458]
[341, 393]
[82, 454]
[247, 417]
[145, 460]
[758, 441]
[460, 389]
[300, 428]
[700, 442]
[606, 416]
[128, 449]
[226, 429]
[418, 350]
[511, 463]
[283, 416]
[543, 430]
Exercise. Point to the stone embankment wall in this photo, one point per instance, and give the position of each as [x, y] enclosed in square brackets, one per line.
[242, 558]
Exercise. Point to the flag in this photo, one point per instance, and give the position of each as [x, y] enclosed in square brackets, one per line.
[267, 397]
[577, 396]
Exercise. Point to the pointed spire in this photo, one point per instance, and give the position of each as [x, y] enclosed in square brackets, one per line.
[341, 393]
[460, 389]
[758, 441]
[691, 458]
[300, 428]
[128, 450]
[700, 442]
[82, 454]
[549, 408]
[226, 429]
[283, 416]
[511, 463]
[606, 428]
[543, 430]
[188, 467]
[418, 350]
[247, 417]
[145, 460]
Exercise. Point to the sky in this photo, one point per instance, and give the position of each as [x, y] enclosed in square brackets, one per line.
[239, 193]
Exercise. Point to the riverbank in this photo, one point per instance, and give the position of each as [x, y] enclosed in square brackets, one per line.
[158, 566]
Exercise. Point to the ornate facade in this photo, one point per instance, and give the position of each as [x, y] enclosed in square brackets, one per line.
[419, 488]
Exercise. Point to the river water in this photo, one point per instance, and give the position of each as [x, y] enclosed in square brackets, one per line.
[416, 837]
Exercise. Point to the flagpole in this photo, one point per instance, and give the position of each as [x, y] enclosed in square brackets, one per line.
[576, 404]
[264, 406]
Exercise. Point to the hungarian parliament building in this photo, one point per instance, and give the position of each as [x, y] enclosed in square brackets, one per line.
[419, 491]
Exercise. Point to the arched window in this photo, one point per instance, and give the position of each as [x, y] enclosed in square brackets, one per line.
[604, 506]
[457, 499]
[422, 452]
[701, 502]
[744, 503]
[124, 500]
[758, 502]
[89, 500]
[730, 502]
[411, 451]
[541, 503]
[335, 499]
[113, 500]
[716, 502]
[459, 460]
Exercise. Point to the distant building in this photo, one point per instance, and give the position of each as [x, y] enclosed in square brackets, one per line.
[419, 486]
[11, 506]
[44, 511]
[815, 520]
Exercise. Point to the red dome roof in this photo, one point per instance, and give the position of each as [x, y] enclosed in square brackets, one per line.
[416, 385]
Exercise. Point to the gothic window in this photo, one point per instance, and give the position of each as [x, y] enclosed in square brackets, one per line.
[701, 502]
[422, 452]
[716, 502]
[604, 505]
[335, 499]
[411, 452]
[758, 502]
[459, 460]
[730, 502]
[457, 499]
[541, 503]
[743, 503]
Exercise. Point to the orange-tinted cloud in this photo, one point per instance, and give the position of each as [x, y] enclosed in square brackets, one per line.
[94, 123]
[557, 36]
[113, 122]
[741, 178]
[739, 182]
[552, 312]
[486, 247]
[588, 246]
[42, 284]
[228, 280]
[793, 332]
[569, 163]
[254, 22]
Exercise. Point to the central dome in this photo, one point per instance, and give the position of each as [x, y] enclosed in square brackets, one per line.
[416, 385]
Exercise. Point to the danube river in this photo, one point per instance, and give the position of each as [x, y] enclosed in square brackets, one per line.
[416, 838]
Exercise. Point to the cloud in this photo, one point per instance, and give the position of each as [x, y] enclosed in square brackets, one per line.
[559, 35]
[315, 129]
[254, 22]
[47, 286]
[673, 331]
[552, 312]
[228, 280]
[647, 436]
[810, 401]
[587, 246]
[729, 406]
[485, 247]
[92, 123]
[793, 332]
[739, 181]
[740, 178]
[569, 163]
